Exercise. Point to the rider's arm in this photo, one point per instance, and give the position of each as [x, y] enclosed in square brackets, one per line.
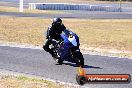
[48, 32]
[63, 27]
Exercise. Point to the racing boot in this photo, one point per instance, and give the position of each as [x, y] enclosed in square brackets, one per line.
[52, 53]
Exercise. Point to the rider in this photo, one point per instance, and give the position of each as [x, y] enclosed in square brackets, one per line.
[53, 32]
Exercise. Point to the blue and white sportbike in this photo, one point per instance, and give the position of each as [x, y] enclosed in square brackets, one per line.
[68, 49]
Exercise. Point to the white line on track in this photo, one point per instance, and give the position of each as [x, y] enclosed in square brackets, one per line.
[11, 73]
[13, 44]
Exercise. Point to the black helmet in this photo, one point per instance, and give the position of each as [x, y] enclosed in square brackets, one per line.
[57, 21]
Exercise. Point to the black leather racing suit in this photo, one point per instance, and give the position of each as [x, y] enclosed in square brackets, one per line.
[53, 32]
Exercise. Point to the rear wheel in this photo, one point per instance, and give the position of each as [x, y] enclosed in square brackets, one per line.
[60, 61]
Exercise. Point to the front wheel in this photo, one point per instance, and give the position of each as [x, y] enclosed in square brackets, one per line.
[79, 58]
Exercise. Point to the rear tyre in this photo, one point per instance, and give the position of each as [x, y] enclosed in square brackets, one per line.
[60, 61]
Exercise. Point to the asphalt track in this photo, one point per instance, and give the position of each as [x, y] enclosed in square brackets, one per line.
[83, 15]
[39, 63]
[127, 14]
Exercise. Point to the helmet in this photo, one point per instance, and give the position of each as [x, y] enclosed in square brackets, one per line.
[57, 21]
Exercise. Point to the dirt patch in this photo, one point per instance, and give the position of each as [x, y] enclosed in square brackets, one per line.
[10, 81]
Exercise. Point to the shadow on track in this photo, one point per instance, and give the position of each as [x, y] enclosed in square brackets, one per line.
[85, 66]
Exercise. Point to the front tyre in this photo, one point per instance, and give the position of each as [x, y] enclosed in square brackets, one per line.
[79, 58]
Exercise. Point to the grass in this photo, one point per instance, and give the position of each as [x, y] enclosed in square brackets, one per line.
[106, 33]
[111, 34]
[10, 81]
[14, 9]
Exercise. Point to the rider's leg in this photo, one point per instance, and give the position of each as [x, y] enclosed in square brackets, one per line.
[47, 49]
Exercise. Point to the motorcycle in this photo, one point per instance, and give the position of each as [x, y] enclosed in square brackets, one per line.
[68, 49]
